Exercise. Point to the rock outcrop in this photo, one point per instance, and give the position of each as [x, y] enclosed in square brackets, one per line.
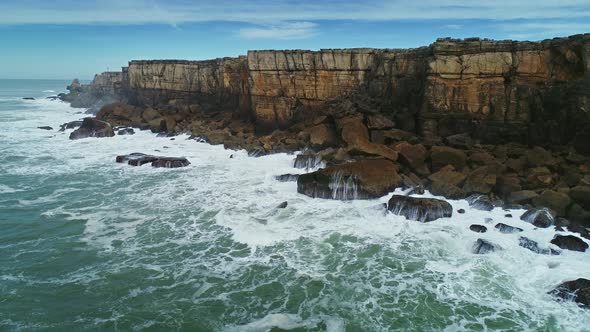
[493, 91]
[92, 127]
[419, 209]
[139, 159]
[357, 180]
[577, 290]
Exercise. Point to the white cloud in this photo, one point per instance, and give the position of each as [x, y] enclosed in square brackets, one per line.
[531, 30]
[276, 11]
[297, 30]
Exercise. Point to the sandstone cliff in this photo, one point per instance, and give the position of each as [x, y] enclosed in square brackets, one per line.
[497, 91]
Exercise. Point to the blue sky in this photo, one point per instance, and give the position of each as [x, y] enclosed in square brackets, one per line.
[74, 38]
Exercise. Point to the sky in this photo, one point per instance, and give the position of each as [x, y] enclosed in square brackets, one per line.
[65, 39]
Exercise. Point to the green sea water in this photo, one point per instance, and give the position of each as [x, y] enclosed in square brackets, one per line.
[87, 244]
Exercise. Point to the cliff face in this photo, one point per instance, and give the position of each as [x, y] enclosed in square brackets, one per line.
[214, 83]
[495, 90]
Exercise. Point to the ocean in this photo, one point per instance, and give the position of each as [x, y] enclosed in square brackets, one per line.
[89, 244]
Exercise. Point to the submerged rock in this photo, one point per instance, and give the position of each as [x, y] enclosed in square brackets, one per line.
[287, 177]
[483, 247]
[307, 161]
[419, 209]
[170, 162]
[507, 229]
[282, 205]
[92, 127]
[357, 180]
[478, 228]
[45, 128]
[540, 217]
[570, 242]
[28, 98]
[534, 246]
[126, 131]
[480, 202]
[70, 125]
[576, 290]
[139, 159]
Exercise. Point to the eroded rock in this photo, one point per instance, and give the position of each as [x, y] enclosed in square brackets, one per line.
[92, 127]
[570, 242]
[419, 209]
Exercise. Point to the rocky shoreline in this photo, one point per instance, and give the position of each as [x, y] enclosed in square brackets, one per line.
[366, 152]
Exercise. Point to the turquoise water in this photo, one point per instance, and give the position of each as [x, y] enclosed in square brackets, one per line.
[88, 244]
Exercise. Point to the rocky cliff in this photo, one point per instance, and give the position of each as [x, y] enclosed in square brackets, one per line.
[496, 91]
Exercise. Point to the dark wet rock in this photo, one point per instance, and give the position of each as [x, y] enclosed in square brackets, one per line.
[538, 156]
[417, 190]
[507, 229]
[282, 205]
[287, 177]
[540, 217]
[362, 179]
[576, 290]
[28, 98]
[92, 127]
[508, 215]
[126, 131]
[478, 228]
[419, 209]
[170, 162]
[461, 211]
[70, 125]
[482, 180]
[480, 202]
[581, 195]
[307, 161]
[442, 156]
[522, 196]
[484, 247]
[462, 141]
[139, 159]
[534, 247]
[570, 242]
[45, 128]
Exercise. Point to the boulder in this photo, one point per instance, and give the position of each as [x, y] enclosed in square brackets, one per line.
[484, 247]
[379, 121]
[581, 195]
[478, 228]
[538, 156]
[447, 190]
[481, 180]
[480, 202]
[322, 136]
[92, 127]
[482, 158]
[157, 125]
[522, 197]
[505, 185]
[170, 162]
[414, 156]
[442, 156]
[391, 136]
[540, 217]
[461, 141]
[507, 229]
[150, 114]
[287, 177]
[557, 201]
[570, 242]
[534, 246]
[282, 205]
[448, 176]
[28, 98]
[419, 209]
[576, 290]
[45, 128]
[356, 135]
[362, 179]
